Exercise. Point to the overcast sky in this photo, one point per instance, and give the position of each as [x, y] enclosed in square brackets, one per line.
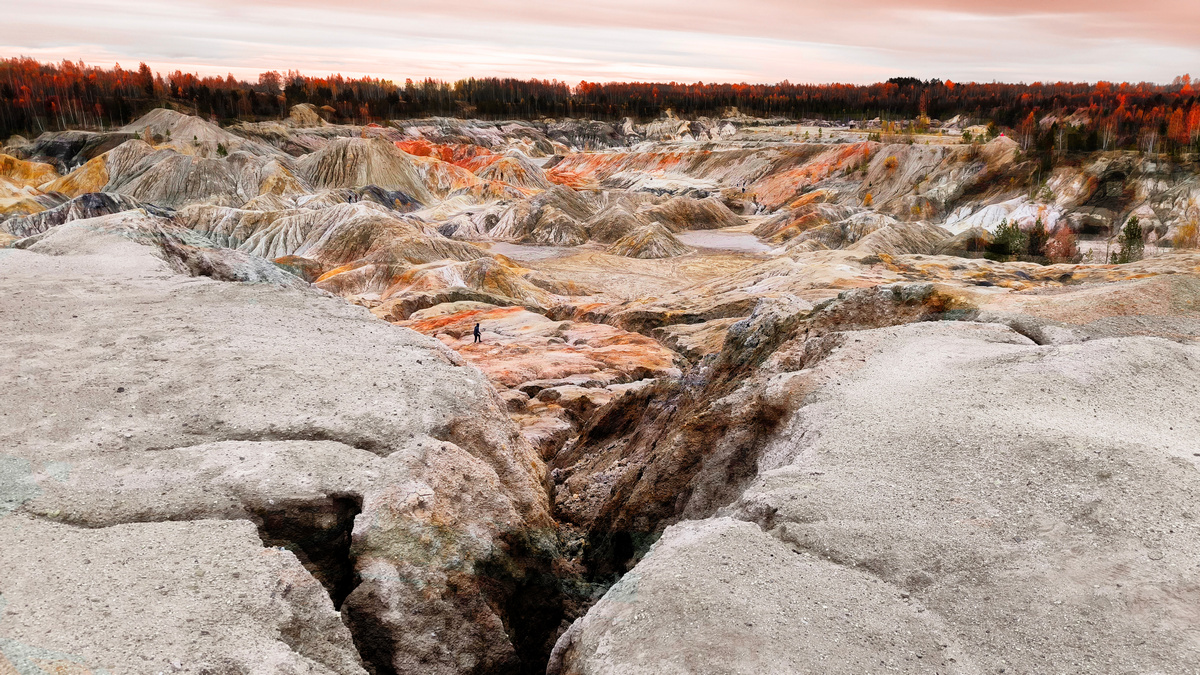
[600, 40]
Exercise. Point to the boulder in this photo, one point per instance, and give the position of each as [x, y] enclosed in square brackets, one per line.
[191, 596]
[721, 595]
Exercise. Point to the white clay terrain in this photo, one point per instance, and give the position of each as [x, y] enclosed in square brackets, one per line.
[744, 402]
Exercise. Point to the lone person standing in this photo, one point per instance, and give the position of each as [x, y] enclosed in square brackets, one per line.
[477, 334]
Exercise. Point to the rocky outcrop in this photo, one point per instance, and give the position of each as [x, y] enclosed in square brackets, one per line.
[197, 595]
[405, 489]
[749, 604]
[1055, 525]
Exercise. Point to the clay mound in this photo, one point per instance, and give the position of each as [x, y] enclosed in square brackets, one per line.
[516, 171]
[164, 122]
[165, 177]
[447, 180]
[304, 116]
[169, 179]
[232, 227]
[649, 241]
[105, 172]
[566, 200]
[85, 206]
[19, 195]
[269, 202]
[844, 233]
[186, 251]
[338, 235]
[689, 213]
[66, 150]
[192, 135]
[787, 225]
[903, 238]
[357, 162]
[380, 269]
[502, 277]
[486, 275]
[123, 163]
[16, 174]
[612, 224]
[392, 200]
[273, 177]
[552, 217]
[92, 176]
[466, 156]
[24, 204]
[367, 277]
[533, 223]
[1000, 152]
[465, 227]
[489, 191]
[15, 142]
[442, 177]
[525, 137]
[555, 228]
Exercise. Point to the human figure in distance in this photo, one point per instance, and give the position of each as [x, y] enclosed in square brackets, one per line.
[477, 334]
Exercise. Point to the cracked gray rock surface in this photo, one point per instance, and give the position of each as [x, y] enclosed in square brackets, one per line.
[179, 597]
[924, 485]
[143, 405]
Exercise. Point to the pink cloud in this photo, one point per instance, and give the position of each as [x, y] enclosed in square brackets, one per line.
[752, 40]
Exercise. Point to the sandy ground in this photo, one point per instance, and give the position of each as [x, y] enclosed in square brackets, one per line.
[615, 278]
[618, 278]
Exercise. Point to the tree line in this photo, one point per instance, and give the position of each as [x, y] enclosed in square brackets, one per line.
[1064, 116]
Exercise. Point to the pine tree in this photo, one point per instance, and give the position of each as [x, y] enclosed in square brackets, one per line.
[1132, 245]
[1008, 242]
[1037, 240]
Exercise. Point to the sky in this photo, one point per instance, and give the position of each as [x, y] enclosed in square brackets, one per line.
[811, 41]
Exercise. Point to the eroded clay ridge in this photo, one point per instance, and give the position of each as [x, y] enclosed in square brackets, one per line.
[739, 402]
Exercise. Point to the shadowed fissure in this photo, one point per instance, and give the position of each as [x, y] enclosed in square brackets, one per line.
[318, 533]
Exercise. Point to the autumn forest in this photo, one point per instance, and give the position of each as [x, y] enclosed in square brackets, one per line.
[37, 97]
